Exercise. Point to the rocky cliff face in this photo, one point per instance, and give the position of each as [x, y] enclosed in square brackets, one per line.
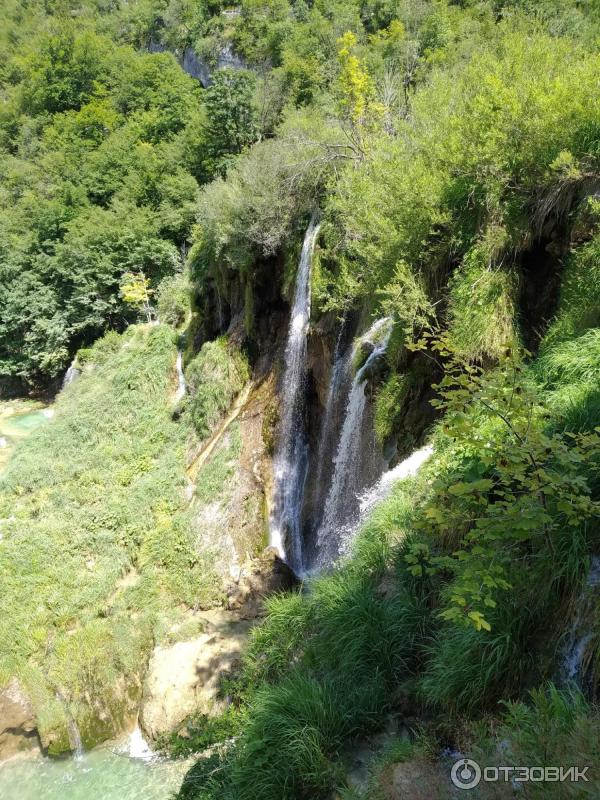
[18, 732]
[199, 67]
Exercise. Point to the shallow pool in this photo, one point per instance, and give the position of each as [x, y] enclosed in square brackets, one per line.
[102, 774]
[17, 420]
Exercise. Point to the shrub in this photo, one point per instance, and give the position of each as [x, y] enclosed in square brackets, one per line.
[215, 377]
[173, 300]
[551, 728]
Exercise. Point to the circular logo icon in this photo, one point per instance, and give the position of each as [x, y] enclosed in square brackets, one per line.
[466, 774]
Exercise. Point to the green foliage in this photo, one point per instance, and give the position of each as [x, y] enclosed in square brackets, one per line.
[93, 187]
[482, 310]
[231, 119]
[62, 73]
[457, 184]
[215, 377]
[467, 669]
[579, 304]
[523, 484]
[250, 216]
[552, 727]
[389, 402]
[93, 518]
[199, 733]
[173, 300]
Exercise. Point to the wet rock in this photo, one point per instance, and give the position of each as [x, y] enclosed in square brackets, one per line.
[17, 721]
[259, 578]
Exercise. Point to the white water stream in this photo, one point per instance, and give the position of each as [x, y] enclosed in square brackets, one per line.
[339, 375]
[345, 484]
[71, 375]
[291, 456]
[181, 387]
[577, 649]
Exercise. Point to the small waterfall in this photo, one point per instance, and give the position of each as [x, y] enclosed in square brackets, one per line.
[71, 375]
[575, 659]
[138, 747]
[72, 728]
[376, 495]
[405, 469]
[342, 500]
[181, 387]
[291, 457]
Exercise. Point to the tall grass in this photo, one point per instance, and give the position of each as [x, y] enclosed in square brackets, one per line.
[550, 728]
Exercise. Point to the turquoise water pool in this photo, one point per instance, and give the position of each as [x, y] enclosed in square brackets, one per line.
[17, 420]
[25, 423]
[102, 774]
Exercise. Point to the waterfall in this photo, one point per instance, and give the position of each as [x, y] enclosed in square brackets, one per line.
[342, 499]
[72, 728]
[75, 737]
[373, 497]
[71, 375]
[577, 649]
[291, 456]
[138, 747]
[339, 374]
[181, 388]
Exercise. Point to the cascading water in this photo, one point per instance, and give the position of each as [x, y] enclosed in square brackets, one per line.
[181, 388]
[138, 747]
[578, 650]
[339, 375]
[291, 457]
[342, 502]
[72, 728]
[382, 489]
[71, 375]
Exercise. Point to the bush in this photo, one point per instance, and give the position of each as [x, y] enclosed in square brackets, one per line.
[173, 300]
[551, 728]
[215, 377]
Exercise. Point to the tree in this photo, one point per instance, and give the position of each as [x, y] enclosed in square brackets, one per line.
[358, 105]
[65, 70]
[231, 119]
[135, 291]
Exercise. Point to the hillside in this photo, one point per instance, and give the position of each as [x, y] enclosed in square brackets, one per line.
[320, 507]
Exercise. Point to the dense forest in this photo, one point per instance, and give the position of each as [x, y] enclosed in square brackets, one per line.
[160, 164]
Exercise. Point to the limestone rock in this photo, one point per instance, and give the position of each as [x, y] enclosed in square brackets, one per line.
[185, 678]
[17, 721]
[259, 578]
